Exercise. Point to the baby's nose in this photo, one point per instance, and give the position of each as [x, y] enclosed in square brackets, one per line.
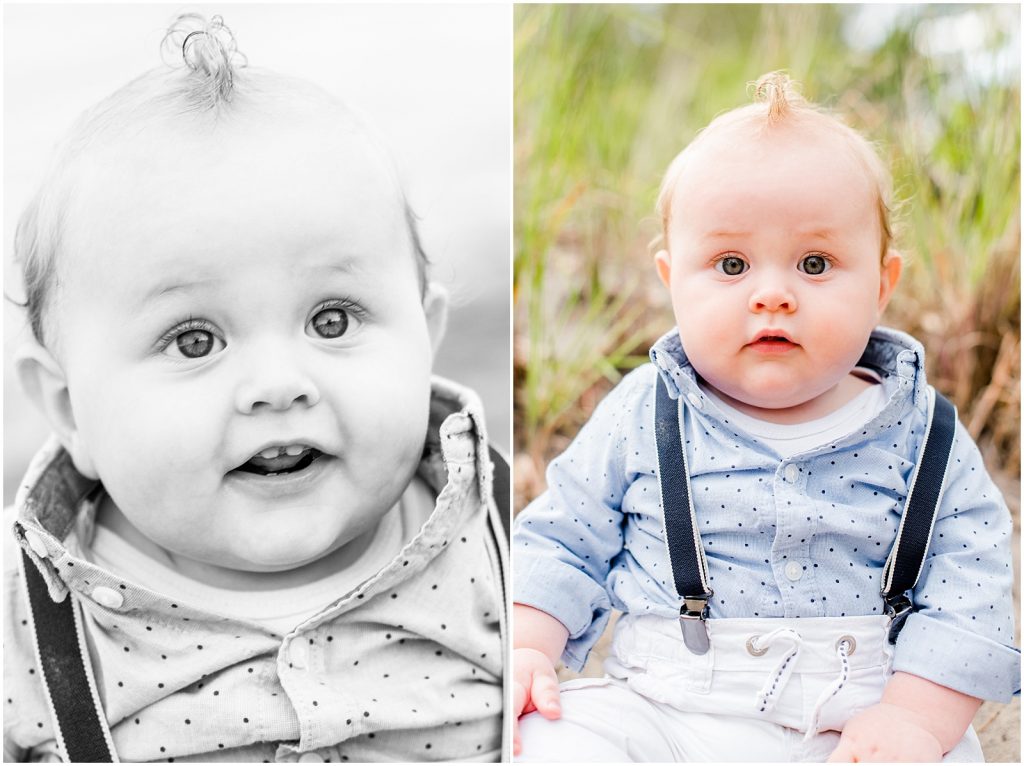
[772, 295]
[277, 382]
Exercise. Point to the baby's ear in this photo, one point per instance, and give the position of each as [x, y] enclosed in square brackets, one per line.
[435, 306]
[892, 267]
[663, 263]
[42, 378]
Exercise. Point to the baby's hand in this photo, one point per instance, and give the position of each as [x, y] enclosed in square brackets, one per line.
[535, 687]
[886, 733]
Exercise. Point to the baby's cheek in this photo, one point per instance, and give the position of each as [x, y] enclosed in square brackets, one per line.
[149, 445]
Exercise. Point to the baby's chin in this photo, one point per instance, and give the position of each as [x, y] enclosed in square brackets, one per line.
[785, 405]
[290, 561]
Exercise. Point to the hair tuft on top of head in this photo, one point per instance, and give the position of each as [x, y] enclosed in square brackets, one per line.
[209, 50]
[778, 91]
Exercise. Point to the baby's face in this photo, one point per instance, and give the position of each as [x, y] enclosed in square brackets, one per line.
[773, 265]
[244, 341]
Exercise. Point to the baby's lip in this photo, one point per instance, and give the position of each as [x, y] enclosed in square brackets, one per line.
[773, 335]
[281, 455]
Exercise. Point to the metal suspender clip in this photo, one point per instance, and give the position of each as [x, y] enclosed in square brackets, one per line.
[898, 608]
[692, 616]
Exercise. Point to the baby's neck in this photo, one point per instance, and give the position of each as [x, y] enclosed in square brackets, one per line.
[112, 518]
[821, 406]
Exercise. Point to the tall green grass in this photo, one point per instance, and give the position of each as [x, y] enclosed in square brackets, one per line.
[606, 95]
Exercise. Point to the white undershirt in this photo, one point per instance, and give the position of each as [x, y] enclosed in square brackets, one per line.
[281, 609]
[790, 439]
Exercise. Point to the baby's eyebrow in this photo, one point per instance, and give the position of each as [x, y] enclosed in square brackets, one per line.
[724, 234]
[348, 265]
[172, 286]
[817, 233]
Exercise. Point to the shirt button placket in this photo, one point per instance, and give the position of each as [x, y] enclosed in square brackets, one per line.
[788, 501]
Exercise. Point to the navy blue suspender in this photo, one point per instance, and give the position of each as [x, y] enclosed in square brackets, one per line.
[906, 559]
[79, 727]
[686, 553]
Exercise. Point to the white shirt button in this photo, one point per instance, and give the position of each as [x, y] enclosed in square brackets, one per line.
[35, 542]
[794, 571]
[791, 473]
[298, 654]
[311, 758]
[695, 401]
[107, 597]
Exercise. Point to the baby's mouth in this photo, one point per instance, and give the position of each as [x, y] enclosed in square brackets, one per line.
[276, 461]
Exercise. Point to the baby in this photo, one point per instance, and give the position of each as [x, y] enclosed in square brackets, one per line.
[275, 526]
[781, 431]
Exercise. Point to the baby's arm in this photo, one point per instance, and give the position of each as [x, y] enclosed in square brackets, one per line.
[565, 544]
[538, 641]
[916, 720]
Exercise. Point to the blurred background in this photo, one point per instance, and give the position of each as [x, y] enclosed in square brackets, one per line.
[433, 79]
[605, 97]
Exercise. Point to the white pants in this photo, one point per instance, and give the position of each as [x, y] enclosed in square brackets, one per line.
[753, 697]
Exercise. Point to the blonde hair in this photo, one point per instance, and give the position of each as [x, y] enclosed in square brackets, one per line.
[778, 101]
[206, 80]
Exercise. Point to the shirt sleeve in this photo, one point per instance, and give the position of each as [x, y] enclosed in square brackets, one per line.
[564, 542]
[961, 634]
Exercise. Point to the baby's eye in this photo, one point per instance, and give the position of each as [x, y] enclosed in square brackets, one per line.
[191, 341]
[814, 264]
[332, 321]
[731, 265]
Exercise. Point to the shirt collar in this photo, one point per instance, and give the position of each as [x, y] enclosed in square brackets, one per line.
[896, 356]
[52, 499]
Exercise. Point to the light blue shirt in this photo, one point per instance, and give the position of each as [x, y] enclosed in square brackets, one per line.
[805, 536]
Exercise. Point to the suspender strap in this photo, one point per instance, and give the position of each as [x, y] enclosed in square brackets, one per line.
[906, 559]
[81, 730]
[685, 550]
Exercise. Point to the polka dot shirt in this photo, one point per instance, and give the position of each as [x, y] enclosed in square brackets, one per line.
[407, 666]
[803, 536]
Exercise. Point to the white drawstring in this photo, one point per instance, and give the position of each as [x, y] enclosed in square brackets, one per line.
[780, 676]
[842, 652]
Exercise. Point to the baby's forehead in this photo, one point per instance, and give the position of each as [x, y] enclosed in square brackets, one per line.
[157, 113]
[171, 192]
[739, 147]
[258, 128]
[300, 153]
[752, 137]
